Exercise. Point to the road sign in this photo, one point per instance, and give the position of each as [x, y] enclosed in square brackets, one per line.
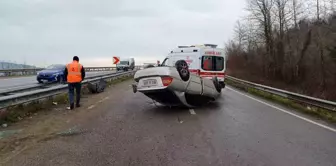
[116, 60]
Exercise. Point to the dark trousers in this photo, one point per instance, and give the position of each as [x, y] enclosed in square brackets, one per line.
[72, 87]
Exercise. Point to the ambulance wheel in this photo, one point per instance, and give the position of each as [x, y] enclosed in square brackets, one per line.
[183, 69]
[217, 84]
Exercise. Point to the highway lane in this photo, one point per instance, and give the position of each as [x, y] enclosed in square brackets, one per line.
[6, 83]
[236, 130]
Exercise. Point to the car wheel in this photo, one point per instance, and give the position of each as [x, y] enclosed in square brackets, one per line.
[39, 81]
[217, 84]
[222, 84]
[183, 69]
[60, 79]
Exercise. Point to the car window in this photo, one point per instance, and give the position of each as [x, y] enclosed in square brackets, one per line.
[212, 63]
[55, 67]
[165, 62]
[124, 62]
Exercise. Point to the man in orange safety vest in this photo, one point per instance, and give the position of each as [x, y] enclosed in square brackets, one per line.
[74, 74]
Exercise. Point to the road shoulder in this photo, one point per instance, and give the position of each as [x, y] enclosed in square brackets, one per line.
[50, 123]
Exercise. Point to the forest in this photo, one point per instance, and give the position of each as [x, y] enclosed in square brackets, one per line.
[286, 44]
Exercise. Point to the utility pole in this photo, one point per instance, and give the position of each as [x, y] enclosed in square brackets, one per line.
[24, 62]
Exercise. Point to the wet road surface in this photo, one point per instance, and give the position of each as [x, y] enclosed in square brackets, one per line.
[6, 83]
[236, 130]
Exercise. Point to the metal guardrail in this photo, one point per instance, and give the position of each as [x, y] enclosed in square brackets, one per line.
[20, 70]
[308, 100]
[9, 72]
[10, 91]
[38, 69]
[26, 97]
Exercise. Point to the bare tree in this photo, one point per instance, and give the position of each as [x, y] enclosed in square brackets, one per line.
[291, 40]
[297, 11]
[281, 13]
[240, 34]
[261, 13]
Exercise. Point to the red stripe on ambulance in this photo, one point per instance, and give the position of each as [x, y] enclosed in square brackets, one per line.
[207, 74]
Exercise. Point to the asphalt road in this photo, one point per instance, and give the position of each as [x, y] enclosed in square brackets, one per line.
[236, 130]
[6, 83]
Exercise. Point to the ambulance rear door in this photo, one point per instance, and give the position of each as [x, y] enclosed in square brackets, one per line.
[213, 63]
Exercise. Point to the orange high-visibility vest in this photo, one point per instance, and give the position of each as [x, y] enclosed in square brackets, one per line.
[74, 72]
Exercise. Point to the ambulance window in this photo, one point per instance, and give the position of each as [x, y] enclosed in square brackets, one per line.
[207, 63]
[219, 63]
[212, 63]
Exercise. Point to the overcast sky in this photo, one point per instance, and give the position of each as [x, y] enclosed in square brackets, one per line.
[43, 32]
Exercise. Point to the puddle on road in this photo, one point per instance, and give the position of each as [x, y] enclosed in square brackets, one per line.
[71, 131]
[7, 133]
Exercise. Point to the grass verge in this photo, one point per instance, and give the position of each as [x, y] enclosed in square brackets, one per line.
[306, 109]
[18, 112]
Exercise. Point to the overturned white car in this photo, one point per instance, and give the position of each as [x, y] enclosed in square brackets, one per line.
[173, 83]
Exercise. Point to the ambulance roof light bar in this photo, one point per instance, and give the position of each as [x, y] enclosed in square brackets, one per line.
[201, 45]
[211, 45]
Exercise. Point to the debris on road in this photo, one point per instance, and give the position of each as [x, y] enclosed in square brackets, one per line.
[97, 87]
[179, 120]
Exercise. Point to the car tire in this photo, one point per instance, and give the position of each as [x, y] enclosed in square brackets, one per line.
[60, 79]
[222, 84]
[39, 81]
[217, 84]
[183, 69]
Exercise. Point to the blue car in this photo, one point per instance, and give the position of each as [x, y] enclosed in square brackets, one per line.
[53, 73]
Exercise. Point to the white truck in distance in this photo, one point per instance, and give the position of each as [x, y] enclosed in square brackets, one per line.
[189, 76]
[126, 64]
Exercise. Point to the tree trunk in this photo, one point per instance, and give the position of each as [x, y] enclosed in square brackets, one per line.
[299, 67]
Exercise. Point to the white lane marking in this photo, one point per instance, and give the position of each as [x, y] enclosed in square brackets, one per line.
[92, 106]
[192, 111]
[103, 99]
[287, 112]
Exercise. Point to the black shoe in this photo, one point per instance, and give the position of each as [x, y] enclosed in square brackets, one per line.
[77, 105]
[72, 106]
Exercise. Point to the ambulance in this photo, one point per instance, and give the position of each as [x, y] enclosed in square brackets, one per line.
[204, 60]
[189, 76]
